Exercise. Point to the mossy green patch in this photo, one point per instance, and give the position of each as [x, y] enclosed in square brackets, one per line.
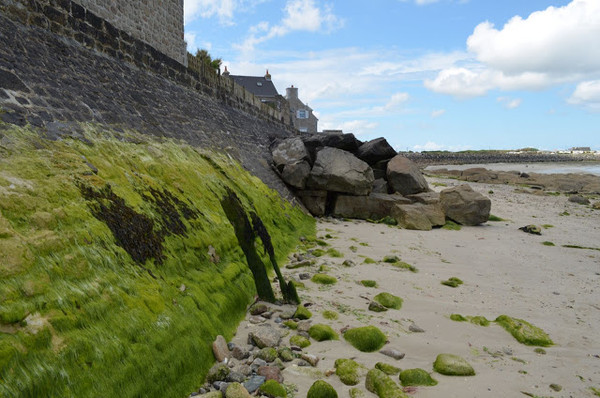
[388, 369]
[268, 354]
[452, 365]
[452, 282]
[302, 313]
[388, 300]
[540, 351]
[368, 283]
[331, 315]
[479, 320]
[495, 218]
[299, 341]
[382, 385]
[369, 260]
[416, 377]
[321, 389]
[458, 318]
[391, 259]
[356, 393]
[349, 371]
[323, 279]
[452, 226]
[117, 264]
[272, 389]
[524, 332]
[321, 332]
[334, 253]
[548, 243]
[403, 265]
[291, 324]
[366, 338]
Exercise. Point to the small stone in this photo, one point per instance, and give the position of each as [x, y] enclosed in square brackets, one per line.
[258, 362]
[268, 354]
[376, 307]
[255, 320]
[305, 275]
[235, 377]
[313, 360]
[258, 309]
[265, 337]
[415, 328]
[239, 353]
[270, 373]
[390, 352]
[303, 363]
[218, 372]
[236, 390]
[253, 383]
[286, 354]
[230, 345]
[349, 263]
[244, 369]
[532, 229]
[556, 387]
[304, 326]
[267, 315]
[220, 349]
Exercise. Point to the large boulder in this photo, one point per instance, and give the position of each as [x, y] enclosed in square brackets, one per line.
[375, 150]
[316, 142]
[336, 170]
[373, 207]
[314, 201]
[405, 177]
[419, 216]
[289, 151]
[296, 174]
[463, 205]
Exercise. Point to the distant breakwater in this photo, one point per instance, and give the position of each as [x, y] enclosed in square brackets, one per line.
[435, 158]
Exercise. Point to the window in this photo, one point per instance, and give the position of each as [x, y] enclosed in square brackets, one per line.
[302, 114]
[303, 129]
[259, 84]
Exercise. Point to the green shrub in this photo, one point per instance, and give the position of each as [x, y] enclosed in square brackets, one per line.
[366, 338]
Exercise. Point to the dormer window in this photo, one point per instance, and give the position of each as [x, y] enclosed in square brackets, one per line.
[302, 114]
[259, 84]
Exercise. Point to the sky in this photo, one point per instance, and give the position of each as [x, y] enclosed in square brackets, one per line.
[425, 74]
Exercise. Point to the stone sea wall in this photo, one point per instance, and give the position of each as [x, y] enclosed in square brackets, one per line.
[52, 74]
[431, 158]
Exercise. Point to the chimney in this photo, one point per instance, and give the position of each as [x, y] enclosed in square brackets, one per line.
[226, 73]
[291, 92]
[268, 76]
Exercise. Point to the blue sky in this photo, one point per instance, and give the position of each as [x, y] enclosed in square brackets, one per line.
[425, 74]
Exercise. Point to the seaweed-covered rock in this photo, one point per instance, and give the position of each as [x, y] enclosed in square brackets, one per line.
[218, 372]
[356, 393]
[299, 341]
[236, 390]
[323, 279]
[381, 384]
[376, 307]
[524, 332]
[349, 371]
[388, 300]
[366, 338]
[416, 377]
[285, 354]
[321, 332]
[386, 368]
[452, 282]
[272, 389]
[302, 313]
[268, 354]
[452, 365]
[532, 229]
[321, 389]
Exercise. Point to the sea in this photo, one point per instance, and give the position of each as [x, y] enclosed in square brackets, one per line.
[542, 168]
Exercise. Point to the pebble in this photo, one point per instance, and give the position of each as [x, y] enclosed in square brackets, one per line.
[415, 328]
[390, 352]
[253, 383]
[313, 360]
[304, 276]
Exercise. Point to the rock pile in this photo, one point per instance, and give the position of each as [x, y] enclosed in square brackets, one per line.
[338, 175]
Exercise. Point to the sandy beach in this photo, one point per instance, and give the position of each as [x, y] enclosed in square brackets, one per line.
[505, 271]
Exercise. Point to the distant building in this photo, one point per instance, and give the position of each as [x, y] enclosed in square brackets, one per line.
[580, 149]
[302, 116]
[260, 86]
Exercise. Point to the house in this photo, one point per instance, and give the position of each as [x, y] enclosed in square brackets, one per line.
[261, 86]
[302, 117]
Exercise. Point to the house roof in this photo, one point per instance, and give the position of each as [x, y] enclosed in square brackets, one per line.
[257, 85]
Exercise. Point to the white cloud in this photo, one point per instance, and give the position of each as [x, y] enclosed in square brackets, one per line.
[299, 15]
[510, 103]
[192, 9]
[548, 47]
[194, 45]
[438, 113]
[587, 94]
[432, 146]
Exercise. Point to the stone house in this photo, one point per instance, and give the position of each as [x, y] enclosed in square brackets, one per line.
[302, 117]
[262, 87]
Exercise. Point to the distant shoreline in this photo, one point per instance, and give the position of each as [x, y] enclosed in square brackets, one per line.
[481, 157]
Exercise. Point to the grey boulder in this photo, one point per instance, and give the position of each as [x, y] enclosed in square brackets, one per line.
[336, 170]
[463, 205]
[375, 150]
[289, 151]
[405, 177]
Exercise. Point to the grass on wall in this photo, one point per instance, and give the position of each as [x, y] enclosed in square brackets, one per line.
[81, 312]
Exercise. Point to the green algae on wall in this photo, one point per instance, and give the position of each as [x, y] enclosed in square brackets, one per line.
[106, 278]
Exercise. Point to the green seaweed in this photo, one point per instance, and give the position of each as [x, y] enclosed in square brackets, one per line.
[331, 315]
[368, 283]
[388, 300]
[382, 385]
[524, 332]
[416, 377]
[273, 389]
[452, 282]
[321, 332]
[547, 243]
[299, 341]
[388, 369]
[321, 389]
[369, 260]
[495, 218]
[451, 226]
[348, 371]
[302, 313]
[452, 365]
[323, 279]
[366, 338]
